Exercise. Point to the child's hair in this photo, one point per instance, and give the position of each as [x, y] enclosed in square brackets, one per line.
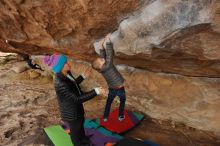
[95, 64]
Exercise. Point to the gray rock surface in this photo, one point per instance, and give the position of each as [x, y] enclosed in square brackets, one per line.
[157, 22]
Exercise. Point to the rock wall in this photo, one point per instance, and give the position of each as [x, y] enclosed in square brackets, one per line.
[171, 36]
[158, 21]
[194, 101]
[70, 25]
[184, 35]
[163, 36]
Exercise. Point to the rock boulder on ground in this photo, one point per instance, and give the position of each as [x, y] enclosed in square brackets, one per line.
[33, 74]
[19, 67]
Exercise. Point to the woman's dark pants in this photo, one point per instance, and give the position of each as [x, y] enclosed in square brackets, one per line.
[77, 133]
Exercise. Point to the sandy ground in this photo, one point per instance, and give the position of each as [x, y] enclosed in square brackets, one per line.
[28, 105]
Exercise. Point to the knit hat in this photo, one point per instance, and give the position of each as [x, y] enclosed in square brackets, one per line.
[55, 61]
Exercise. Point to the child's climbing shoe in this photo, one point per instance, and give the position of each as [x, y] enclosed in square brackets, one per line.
[105, 120]
[121, 118]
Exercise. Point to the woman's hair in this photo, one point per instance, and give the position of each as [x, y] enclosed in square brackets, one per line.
[96, 64]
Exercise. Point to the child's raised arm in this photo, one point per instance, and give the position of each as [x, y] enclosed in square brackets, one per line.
[109, 56]
[102, 49]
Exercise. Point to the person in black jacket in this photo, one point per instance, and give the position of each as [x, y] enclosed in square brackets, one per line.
[71, 97]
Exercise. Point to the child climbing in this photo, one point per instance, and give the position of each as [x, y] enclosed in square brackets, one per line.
[70, 97]
[104, 64]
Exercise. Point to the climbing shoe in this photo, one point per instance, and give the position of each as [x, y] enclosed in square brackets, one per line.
[105, 120]
[121, 118]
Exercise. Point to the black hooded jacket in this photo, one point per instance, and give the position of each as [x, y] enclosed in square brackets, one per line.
[70, 97]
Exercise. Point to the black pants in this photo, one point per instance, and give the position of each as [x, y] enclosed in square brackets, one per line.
[77, 133]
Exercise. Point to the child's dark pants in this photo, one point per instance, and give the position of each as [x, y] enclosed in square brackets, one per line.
[111, 95]
[77, 133]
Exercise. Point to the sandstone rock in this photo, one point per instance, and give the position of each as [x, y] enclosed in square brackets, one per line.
[215, 13]
[22, 109]
[193, 101]
[33, 74]
[156, 22]
[71, 24]
[20, 67]
[27, 106]
[163, 36]
[171, 36]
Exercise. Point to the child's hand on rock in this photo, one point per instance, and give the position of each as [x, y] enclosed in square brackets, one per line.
[102, 44]
[108, 38]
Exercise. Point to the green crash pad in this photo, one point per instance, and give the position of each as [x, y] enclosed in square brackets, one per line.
[58, 136]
